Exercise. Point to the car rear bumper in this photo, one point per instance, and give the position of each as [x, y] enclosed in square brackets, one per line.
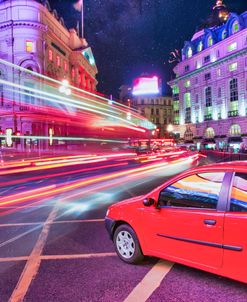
[109, 224]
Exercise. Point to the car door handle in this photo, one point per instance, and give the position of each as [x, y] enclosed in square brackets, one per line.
[209, 221]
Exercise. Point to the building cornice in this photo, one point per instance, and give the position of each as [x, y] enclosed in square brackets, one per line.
[23, 23]
[208, 66]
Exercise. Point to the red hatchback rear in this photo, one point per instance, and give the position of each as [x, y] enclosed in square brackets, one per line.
[198, 218]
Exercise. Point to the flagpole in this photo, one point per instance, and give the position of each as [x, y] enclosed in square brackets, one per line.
[82, 20]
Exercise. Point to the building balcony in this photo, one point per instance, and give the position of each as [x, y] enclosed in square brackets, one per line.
[232, 113]
[208, 117]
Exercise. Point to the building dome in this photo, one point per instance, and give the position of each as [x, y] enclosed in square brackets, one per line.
[218, 16]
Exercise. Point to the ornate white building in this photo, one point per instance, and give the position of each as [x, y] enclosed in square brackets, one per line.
[210, 87]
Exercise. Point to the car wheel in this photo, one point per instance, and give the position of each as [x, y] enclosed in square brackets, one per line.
[127, 245]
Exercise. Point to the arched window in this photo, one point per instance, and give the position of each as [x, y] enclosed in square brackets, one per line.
[234, 90]
[235, 27]
[223, 34]
[199, 47]
[189, 52]
[235, 130]
[210, 41]
[209, 133]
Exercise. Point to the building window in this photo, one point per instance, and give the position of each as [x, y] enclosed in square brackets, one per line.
[65, 65]
[209, 133]
[157, 111]
[223, 34]
[187, 68]
[232, 47]
[208, 96]
[142, 102]
[50, 55]
[152, 111]
[218, 72]
[233, 66]
[189, 52]
[210, 41]
[206, 59]
[196, 80]
[235, 130]
[235, 27]
[219, 92]
[58, 61]
[73, 73]
[234, 90]
[152, 101]
[197, 98]
[199, 47]
[207, 76]
[30, 46]
[187, 84]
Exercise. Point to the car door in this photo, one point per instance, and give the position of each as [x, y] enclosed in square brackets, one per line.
[188, 225]
[235, 230]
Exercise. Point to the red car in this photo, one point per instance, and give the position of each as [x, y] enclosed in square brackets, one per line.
[198, 218]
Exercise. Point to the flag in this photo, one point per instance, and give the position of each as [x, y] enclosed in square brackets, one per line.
[78, 5]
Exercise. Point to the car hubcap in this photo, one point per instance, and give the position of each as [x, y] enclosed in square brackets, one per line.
[125, 244]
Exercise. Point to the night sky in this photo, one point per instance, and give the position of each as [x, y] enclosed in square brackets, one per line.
[131, 37]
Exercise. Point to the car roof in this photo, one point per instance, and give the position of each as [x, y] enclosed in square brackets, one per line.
[223, 166]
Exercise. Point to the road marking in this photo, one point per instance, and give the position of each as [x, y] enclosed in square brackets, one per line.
[11, 259]
[76, 256]
[59, 257]
[150, 282]
[51, 222]
[31, 268]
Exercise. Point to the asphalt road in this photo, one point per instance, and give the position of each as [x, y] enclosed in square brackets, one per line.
[54, 246]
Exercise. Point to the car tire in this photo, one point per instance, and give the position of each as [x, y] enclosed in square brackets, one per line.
[127, 245]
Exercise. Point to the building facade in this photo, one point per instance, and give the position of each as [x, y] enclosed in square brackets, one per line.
[33, 36]
[157, 109]
[210, 87]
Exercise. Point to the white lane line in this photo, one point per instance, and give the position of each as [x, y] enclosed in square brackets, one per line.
[76, 256]
[31, 268]
[150, 282]
[51, 222]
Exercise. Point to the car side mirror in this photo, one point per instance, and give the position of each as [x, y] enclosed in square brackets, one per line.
[148, 202]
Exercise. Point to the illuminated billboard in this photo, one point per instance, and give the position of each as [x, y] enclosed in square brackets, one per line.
[146, 85]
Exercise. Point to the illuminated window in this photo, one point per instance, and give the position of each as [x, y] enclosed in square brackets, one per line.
[233, 66]
[224, 34]
[199, 47]
[209, 133]
[235, 27]
[232, 46]
[50, 55]
[210, 41]
[175, 89]
[234, 90]
[208, 96]
[187, 99]
[219, 72]
[187, 84]
[65, 65]
[235, 130]
[189, 52]
[73, 73]
[58, 61]
[30, 46]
